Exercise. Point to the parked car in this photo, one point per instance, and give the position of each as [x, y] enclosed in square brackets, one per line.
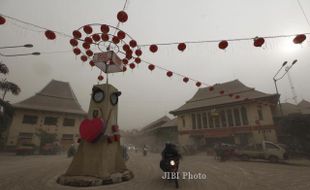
[25, 149]
[265, 150]
[50, 149]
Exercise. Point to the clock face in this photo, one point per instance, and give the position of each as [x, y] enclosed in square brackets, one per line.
[98, 96]
[114, 99]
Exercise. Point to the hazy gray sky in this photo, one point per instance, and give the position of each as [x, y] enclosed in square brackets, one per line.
[150, 95]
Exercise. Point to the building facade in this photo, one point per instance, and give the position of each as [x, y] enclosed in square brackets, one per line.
[54, 109]
[229, 112]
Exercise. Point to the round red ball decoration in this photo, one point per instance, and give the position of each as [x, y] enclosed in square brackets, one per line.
[74, 42]
[223, 44]
[198, 84]
[185, 79]
[182, 46]
[153, 48]
[122, 16]
[299, 39]
[133, 43]
[86, 45]
[132, 65]
[76, 51]
[89, 53]
[125, 61]
[129, 52]
[91, 63]
[169, 74]
[96, 37]
[222, 92]
[138, 52]
[105, 37]
[237, 97]
[115, 40]
[105, 28]
[211, 88]
[88, 29]
[100, 77]
[258, 42]
[138, 60]
[84, 58]
[121, 35]
[88, 40]
[76, 34]
[2, 20]
[151, 67]
[50, 35]
[115, 128]
[126, 47]
[128, 56]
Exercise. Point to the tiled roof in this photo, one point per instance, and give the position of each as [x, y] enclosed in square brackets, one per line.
[56, 96]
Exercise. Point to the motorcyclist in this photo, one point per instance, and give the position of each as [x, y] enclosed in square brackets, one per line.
[170, 152]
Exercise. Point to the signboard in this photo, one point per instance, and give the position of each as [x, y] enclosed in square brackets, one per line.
[108, 62]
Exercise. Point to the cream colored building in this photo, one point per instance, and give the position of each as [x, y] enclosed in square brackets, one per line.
[55, 109]
[231, 113]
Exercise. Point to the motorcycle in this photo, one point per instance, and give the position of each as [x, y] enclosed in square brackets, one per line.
[171, 166]
[144, 151]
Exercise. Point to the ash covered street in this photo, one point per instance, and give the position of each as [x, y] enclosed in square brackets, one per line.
[40, 172]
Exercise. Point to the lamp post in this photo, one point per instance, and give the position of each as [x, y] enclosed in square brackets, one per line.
[277, 79]
[19, 54]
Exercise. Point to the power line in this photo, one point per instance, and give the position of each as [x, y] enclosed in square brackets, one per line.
[303, 12]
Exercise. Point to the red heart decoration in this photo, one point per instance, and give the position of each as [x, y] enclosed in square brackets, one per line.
[91, 129]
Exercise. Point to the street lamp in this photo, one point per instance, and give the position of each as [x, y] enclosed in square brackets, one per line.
[18, 46]
[277, 79]
[20, 54]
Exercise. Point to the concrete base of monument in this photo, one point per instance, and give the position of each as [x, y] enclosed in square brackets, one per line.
[86, 181]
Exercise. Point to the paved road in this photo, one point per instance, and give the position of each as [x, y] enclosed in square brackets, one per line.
[40, 173]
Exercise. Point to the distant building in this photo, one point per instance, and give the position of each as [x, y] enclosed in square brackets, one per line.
[55, 109]
[239, 115]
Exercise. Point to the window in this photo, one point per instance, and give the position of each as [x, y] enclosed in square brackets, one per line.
[223, 118]
[204, 120]
[30, 119]
[50, 121]
[183, 121]
[193, 121]
[230, 118]
[210, 120]
[199, 121]
[260, 113]
[217, 121]
[25, 138]
[67, 137]
[237, 116]
[244, 116]
[68, 122]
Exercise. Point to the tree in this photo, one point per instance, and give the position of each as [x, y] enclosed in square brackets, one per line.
[5, 85]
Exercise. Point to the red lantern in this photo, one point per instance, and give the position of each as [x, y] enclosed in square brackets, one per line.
[237, 97]
[84, 58]
[105, 28]
[132, 65]
[122, 16]
[211, 88]
[86, 45]
[126, 47]
[222, 92]
[258, 42]
[100, 77]
[182, 46]
[117, 137]
[2, 20]
[223, 44]
[76, 34]
[50, 35]
[76, 51]
[124, 69]
[115, 128]
[151, 67]
[121, 35]
[73, 42]
[105, 37]
[91, 63]
[299, 39]
[133, 43]
[89, 53]
[87, 29]
[153, 48]
[198, 84]
[125, 61]
[185, 79]
[88, 40]
[138, 52]
[96, 37]
[128, 56]
[138, 60]
[115, 40]
[169, 74]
